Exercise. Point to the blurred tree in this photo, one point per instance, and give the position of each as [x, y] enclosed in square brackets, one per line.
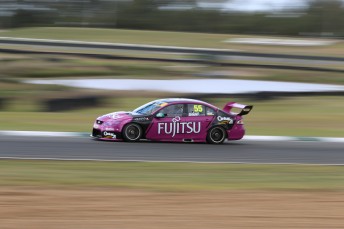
[321, 17]
[32, 18]
[325, 17]
[140, 14]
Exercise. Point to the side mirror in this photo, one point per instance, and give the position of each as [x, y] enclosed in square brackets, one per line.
[160, 115]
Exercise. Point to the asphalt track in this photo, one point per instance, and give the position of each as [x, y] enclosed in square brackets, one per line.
[245, 151]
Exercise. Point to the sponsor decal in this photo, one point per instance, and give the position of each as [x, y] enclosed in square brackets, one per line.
[95, 126]
[194, 114]
[177, 127]
[115, 115]
[141, 119]
[227, 119]
[163, 104]
[109, 134]
[109, 129]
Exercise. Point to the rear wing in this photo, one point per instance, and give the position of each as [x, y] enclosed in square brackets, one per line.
[245, 109]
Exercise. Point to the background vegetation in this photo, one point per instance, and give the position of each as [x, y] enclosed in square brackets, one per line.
[320, 18]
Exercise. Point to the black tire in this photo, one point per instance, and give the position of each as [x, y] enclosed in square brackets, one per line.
[132, 132]
[216, 135]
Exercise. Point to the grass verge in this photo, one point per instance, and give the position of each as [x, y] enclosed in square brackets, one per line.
[167, 38]
[171, 176]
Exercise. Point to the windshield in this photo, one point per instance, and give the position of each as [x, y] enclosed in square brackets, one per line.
[150, 108]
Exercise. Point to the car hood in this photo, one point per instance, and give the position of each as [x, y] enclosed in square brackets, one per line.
[115, 116]
[118, 116]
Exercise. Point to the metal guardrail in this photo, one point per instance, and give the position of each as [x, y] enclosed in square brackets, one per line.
[155, 48]
[115, 57]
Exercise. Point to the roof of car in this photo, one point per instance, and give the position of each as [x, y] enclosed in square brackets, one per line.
[183, 100]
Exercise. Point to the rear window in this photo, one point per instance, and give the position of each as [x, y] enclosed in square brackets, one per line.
[209, 111]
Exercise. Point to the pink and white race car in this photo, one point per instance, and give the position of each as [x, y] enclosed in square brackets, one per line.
[174, 120]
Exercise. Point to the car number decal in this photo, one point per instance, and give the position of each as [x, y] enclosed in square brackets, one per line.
[198, 108]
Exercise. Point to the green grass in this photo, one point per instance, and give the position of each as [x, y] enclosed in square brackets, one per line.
[171, 176]
[39, 67]
[166, 38]
[302, 116]
[16, 68]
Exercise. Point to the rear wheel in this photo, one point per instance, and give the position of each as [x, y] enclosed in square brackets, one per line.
[132, 132]
[216, 135]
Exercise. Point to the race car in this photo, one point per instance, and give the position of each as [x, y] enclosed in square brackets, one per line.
[174, 120]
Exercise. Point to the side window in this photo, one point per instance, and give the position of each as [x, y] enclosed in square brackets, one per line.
[173, 110]
[209, 111]
[196, 110]
[223, 114]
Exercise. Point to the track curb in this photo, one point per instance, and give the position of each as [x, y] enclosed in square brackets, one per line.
[246, 138]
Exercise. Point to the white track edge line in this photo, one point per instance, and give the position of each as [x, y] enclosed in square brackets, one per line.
[158, 161]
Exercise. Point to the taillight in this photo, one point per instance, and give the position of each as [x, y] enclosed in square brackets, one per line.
[240, 122]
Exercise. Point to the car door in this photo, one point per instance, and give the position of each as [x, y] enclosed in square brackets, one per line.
[166, 123]
[199, 118]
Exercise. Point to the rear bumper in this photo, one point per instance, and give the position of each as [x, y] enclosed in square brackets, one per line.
[236, 133]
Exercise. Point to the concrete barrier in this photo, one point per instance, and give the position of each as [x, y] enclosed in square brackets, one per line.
[65, 104]
[2, 103]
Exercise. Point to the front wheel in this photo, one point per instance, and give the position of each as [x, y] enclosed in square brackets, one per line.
[216, 135]
[132, 132]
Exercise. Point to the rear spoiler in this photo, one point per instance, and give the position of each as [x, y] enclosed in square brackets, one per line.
[245, 109]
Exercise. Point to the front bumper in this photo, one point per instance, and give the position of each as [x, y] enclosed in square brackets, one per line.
[106, 135]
